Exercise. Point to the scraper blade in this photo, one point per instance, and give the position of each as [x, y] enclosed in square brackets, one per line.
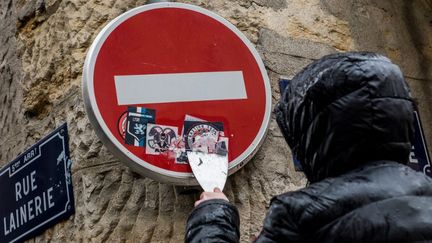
[210, 170]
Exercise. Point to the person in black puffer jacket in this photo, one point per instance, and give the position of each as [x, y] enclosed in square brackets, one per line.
[348, 118]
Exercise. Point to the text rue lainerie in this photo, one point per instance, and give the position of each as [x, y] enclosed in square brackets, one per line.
[32, 208]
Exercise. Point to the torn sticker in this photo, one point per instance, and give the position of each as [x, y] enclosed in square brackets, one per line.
[136, 125]
[177, 151]
[193, 118]
[178, 146]
[202, 136]
[181, 157]
[160, 138]
[121, 124]
[222, 146]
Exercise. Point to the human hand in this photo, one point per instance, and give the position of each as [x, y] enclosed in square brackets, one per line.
[216, 194]
[255, 236]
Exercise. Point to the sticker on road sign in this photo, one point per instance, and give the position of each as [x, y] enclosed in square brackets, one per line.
[178, 60]
[136, 125]
[202, 135]
[160, 138]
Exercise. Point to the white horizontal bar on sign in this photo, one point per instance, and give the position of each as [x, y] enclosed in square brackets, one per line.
[179, 87]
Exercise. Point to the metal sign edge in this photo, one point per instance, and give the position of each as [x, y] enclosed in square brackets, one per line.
[137, 164]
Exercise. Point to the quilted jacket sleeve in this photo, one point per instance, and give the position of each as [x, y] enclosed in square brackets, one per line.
[280, 224]
[213, 221]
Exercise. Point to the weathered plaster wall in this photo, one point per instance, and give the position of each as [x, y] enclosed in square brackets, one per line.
[43, 44]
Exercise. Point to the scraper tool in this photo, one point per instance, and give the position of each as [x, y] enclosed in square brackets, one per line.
[210, 170]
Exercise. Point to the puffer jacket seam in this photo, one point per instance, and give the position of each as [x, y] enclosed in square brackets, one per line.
[332, 181]
[362, 206]
[366, 167]
[219, 202]
[370, 125]
[333, 103]
[368, 89]
[374, 202]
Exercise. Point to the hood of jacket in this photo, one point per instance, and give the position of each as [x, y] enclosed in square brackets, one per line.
[345, 110]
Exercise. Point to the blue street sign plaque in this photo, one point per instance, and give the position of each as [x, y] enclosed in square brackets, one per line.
[419, 156]
[36, 188]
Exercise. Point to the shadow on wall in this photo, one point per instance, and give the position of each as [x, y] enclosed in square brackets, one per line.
[412, 11]
[401, 30]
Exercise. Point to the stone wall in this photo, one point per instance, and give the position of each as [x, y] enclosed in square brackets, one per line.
[43, 44]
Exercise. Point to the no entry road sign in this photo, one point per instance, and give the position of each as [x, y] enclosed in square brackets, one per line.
[161, 64]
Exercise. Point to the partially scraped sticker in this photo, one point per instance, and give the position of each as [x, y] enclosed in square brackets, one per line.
[202, 136]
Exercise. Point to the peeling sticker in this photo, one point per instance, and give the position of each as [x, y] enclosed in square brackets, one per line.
[202, 136]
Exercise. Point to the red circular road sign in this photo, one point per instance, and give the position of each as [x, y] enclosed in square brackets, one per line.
[161, 63]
